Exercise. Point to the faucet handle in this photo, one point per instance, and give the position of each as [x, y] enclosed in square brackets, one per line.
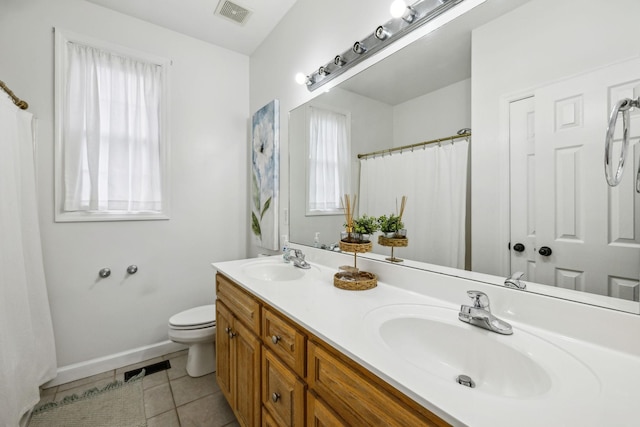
[480, 299]
[517, 275]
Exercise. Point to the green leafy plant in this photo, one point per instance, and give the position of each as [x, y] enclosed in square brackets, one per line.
[365, 224]
[260, 208]
[390, 224]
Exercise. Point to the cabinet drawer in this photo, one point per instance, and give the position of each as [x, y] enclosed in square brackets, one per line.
[285, 340]
[267, 419]
[320, 415]
[356, 397]
[244, 306]
[282, 391]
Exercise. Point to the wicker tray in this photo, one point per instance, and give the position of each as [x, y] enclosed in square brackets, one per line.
[361, 282]
[359, 248]
[393, 241]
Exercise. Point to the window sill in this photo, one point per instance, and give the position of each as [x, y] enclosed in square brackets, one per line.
[106, 216]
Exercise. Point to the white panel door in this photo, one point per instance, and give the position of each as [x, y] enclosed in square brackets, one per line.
[592, 230]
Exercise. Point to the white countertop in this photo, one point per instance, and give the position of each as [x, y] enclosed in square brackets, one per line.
[604, 390]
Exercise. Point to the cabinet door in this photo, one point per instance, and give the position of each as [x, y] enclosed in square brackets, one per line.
[282, 391]
[224, 325]
[245, 349]
[320, 415]
[358, 397]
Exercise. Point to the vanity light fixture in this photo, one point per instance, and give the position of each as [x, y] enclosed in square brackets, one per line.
[406, 19]
[301, 78]
[359, 48]
[397, 8]
[381, 33]
[409, 15]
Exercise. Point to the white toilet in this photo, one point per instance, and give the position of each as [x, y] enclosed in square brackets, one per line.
[196, 328]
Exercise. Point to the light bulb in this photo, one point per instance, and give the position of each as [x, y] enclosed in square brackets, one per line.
[398, 8]
[301, 78]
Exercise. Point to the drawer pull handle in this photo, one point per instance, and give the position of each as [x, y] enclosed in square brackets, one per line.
[275, 397]
[275, 339]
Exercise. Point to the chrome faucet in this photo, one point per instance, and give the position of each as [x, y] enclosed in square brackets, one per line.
[298, 259]
[480, 314]
[514, 281]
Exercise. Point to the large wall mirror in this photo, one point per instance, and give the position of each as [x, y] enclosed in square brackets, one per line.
[535, 81]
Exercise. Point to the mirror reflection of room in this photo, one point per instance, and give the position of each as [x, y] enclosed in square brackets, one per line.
[486, 203]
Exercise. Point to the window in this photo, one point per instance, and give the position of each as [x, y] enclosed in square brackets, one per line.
[329, 150]
[110, 132]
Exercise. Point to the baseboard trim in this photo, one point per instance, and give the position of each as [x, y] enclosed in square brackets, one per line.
[91, 367]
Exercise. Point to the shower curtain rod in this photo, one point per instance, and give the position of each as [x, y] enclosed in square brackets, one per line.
[19, 102]
[419, 144]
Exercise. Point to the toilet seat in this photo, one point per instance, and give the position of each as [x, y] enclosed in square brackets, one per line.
[194, 318]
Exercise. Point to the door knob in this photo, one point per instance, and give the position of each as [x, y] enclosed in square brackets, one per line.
[275, 397]
[518, 247]
[545, 251]
[275, 339]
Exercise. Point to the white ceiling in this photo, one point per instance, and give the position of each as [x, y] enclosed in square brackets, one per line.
[196, 18]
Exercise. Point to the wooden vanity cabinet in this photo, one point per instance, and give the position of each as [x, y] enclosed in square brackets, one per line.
[238, 352]
[290, 377]
[319, 414]
[282, 391]
[358, 396]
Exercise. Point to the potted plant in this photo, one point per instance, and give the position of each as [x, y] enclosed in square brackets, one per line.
[391, 226]
[365, 226]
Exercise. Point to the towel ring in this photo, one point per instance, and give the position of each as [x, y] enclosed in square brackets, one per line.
[623, 106]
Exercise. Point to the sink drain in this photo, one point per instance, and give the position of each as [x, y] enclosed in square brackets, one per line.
[465, 380]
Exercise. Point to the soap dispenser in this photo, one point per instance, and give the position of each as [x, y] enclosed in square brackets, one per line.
[285, 248]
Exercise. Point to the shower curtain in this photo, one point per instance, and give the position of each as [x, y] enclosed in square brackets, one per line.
[27, 350]
[434, 179]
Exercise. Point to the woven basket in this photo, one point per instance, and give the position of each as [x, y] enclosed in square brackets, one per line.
[359, 248]
[362, 281]
[392, 241]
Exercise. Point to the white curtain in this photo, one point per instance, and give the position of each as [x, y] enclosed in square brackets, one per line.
[329, 151]
[111, 132]
[434, 179]
[27, 351]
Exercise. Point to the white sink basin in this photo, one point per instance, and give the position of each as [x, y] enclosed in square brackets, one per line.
[275, 270]
[434, 341]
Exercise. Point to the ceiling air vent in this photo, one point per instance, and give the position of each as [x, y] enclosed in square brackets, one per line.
[233, 11]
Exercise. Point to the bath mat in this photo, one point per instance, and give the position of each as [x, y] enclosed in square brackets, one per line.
[119, 404]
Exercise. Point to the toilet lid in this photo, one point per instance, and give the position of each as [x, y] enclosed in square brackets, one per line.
[199, 316]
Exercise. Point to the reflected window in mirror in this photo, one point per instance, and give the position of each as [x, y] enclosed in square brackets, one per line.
[329, 150]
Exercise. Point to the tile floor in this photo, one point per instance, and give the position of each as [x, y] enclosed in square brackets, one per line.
[171, 397]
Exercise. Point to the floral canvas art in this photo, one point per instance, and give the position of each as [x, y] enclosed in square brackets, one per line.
[265, 158]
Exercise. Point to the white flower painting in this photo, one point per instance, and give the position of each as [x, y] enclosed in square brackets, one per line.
[265, 175]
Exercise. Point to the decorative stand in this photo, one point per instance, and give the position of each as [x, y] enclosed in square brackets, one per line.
[393, 242]
[351, 278]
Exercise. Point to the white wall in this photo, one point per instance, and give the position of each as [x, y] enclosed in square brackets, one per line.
[435, 115]
[96, 318]
[540, 42]
[310, 35]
